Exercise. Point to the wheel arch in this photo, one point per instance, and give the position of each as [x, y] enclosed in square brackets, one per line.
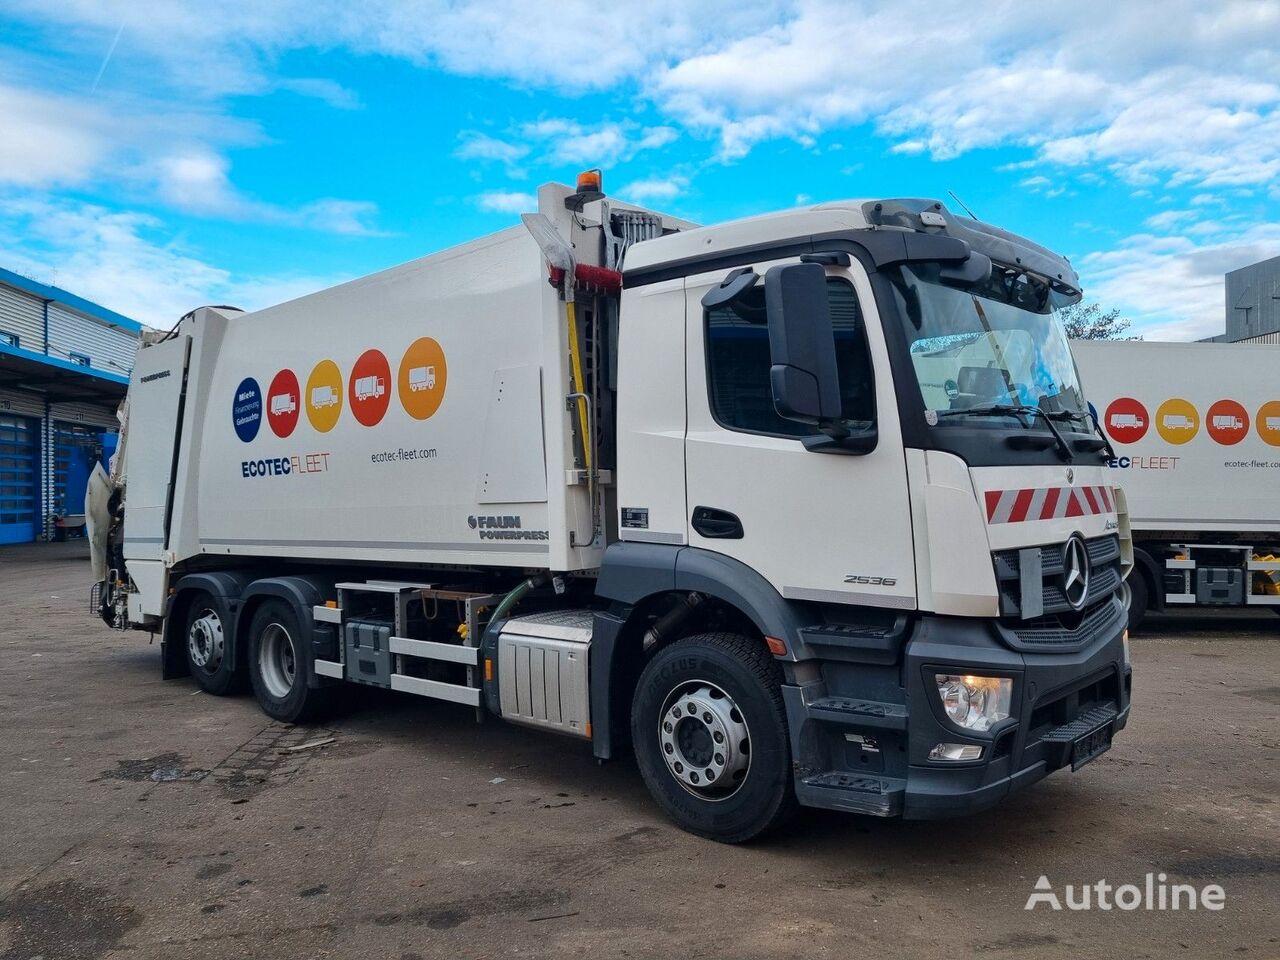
[226, 587]
[1149, 568]
[643, 581]
[302, 593]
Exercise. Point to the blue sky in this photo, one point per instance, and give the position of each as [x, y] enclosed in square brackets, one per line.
[157, 156]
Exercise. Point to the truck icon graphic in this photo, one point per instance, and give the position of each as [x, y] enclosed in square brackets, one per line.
[1227, 422]
[283, 403]
[322, 397]
[369, 387]
[422, 378]
[1127, 421]
[1178, 421]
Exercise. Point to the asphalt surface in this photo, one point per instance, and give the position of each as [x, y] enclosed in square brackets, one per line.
[142, 818]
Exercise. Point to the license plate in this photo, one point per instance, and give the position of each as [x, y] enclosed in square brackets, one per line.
[1090, 746]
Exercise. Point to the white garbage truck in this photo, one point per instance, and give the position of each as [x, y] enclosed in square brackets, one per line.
[1203, 481]
[800, 509]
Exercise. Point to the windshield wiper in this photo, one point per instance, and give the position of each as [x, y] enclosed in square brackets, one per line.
[1018, 411]
[1101, 445]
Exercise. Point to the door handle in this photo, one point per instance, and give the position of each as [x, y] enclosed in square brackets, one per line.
[716, 524]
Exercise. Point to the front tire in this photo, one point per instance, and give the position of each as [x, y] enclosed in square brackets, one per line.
[280, 665]
[205, 638]
[1139, 599]
[710, 735]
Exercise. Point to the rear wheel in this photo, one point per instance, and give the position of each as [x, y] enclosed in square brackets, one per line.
[710, 735]
[279, 665]
[206, 642]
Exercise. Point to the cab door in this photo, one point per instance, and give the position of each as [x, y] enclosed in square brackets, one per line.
[824, 526]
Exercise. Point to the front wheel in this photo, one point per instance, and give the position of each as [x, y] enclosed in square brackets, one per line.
[279, 665]
[710, 735]
[1139, 599]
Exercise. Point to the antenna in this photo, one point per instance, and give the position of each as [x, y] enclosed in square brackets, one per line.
[962, 204]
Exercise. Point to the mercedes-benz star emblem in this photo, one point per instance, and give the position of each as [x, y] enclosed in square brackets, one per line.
[1075, 572]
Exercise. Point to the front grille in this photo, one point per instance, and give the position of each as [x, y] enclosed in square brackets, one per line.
[1104, 579]
[1062, 633]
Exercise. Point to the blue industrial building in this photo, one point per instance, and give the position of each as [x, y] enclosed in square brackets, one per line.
[64, 368]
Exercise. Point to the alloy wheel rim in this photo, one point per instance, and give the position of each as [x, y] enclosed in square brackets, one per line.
[277, 662]
[704, 740]
[205, 640]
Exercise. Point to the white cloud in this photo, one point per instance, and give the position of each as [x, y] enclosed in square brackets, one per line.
[1171, 285]
[348, 217]
[321, 88]
[475, 145]
[196, 181]
[602, 144]
[1184, 90]
[60, 141]
[46, 141]
[654, 189]
[563, 142]
[121, 261]
[230, 46]
[1181, 89]
[507, 201]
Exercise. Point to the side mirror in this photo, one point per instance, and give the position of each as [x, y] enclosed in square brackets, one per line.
[802, 345]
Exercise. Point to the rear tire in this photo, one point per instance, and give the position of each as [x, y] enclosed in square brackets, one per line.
[207, 644]
[710, 736]
[280, 665]
[1139, 598]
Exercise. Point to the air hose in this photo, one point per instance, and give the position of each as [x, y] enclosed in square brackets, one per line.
[518, 594]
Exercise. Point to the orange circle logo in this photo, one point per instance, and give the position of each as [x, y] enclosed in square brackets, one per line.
[1177, 421]
[324, 396]
[1227, 422]
[1268, 422]
[368, 388]
[422, 379]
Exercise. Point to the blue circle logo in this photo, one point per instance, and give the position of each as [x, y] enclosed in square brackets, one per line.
[246, 409]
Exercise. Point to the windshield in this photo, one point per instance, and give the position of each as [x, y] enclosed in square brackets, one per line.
[993, 343]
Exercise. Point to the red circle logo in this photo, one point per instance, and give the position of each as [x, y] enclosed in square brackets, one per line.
[1126, 420]
[369, 388]
[1227, 422]
[284, 400]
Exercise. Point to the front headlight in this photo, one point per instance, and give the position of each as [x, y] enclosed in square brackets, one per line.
[975, 703]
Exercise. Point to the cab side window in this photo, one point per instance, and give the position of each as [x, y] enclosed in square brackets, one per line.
[738, 364]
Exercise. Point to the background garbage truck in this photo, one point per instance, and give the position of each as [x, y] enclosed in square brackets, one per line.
[1196, 432]
[801, 509]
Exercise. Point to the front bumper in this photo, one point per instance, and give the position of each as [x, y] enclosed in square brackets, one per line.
[861, 731]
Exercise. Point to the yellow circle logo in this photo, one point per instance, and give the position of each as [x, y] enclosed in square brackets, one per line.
[1177, 421]
[422, 378]
[1268, 422]
[324, 395]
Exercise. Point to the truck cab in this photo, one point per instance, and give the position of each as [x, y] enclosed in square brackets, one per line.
[900, 483]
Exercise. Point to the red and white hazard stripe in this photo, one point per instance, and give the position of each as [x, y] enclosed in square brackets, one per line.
[1046, 503]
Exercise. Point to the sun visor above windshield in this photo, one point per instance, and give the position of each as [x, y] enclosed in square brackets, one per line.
[929, 218]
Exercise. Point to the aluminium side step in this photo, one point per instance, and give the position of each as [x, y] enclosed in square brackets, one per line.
[853, 792]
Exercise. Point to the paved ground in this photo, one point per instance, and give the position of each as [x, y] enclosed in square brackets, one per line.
[140, 818]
